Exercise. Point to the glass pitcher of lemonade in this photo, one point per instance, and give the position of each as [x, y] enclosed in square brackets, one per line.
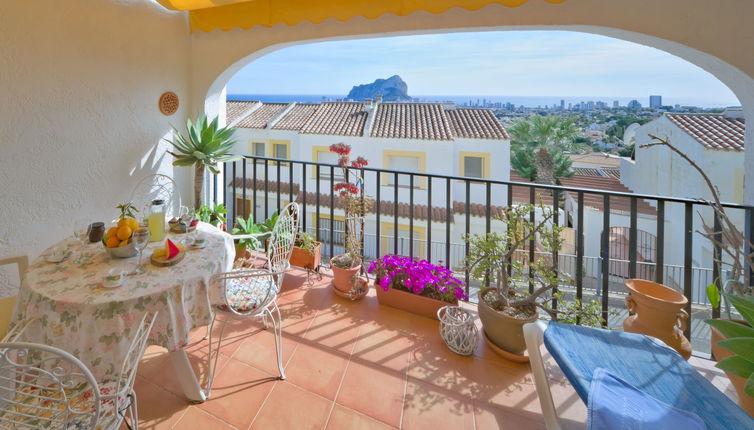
[156, 221]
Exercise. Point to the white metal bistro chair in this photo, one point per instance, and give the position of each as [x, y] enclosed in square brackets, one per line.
[252, 293]
[43, 387]
[154, 187]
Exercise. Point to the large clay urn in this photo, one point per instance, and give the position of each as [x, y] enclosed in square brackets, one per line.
[718, 353]
[657, 311]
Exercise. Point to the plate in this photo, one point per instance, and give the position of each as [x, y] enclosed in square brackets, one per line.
[164, 262]
[52, 259]
[114, 278]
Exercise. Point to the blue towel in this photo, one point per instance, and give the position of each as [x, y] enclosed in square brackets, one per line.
[615, 404]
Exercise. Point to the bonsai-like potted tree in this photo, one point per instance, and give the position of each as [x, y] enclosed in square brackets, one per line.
[507, 303]
[204, 146]
[416, 286]
[347, 267]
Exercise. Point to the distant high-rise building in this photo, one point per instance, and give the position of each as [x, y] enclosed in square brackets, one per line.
[634, 104]
[616, 105]
[601, 105]
[562, 104]
[655, 101]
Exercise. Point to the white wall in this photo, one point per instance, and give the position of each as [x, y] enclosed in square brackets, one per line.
[79, 122]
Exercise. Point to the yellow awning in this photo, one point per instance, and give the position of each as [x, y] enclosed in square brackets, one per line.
[207, 15]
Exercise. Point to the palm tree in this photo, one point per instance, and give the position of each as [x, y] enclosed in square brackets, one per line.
[205, 147]
[549, 136]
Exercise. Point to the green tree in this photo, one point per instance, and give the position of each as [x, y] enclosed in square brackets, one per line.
[554, 133]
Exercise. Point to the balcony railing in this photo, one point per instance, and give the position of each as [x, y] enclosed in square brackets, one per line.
[434, 212]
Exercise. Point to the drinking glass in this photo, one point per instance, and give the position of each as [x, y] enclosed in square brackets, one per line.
[81, 233]
[184, 219]
[140, 240]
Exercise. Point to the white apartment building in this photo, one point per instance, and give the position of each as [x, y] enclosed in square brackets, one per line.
[716, 143]
[435, 138]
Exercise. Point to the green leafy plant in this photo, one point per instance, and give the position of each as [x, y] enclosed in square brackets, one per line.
[247, 226]
[204, 146]
[540, 141]
[740, 341]
[305, 241]
[127, 210]
[212, 215]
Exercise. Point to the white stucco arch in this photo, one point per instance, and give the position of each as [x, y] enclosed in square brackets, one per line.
[706, 34]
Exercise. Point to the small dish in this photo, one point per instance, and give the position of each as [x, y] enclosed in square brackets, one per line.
[198, 242]
[114, 278]
[57, 255]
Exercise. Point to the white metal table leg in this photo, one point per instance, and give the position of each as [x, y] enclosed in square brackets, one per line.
[186, 376]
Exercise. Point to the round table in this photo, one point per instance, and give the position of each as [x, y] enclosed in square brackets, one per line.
[79, 314]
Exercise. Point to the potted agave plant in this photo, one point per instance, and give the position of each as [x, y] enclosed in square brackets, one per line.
[508, 303]
[732, 338]
[416, 286]
[347, 268]
[307, 252]
[214, 215]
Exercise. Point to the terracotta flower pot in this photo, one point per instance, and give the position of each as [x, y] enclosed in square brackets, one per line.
[343, 279]
[410, 302]
[718, 353]
[307, 259]
[506, 332]
[658, 311]
[355, 295]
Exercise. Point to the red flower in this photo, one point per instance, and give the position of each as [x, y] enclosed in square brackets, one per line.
[359, 162]
[341, 149]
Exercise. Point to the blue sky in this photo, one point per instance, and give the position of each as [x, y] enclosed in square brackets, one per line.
[499, 63]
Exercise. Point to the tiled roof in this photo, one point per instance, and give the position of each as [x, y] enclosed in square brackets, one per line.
[262, 185]
[337, 118]
[601, 172]
[476, 124]
[261, 116]
[296, 118]
[411, 121]
[425, 121]
[594, 159]
[234, 109]
[714, 131]
[622, 204]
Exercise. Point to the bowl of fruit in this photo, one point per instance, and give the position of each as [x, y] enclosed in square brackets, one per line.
[118, 239]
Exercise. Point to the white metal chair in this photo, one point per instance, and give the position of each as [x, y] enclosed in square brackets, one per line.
[157, 186]
[43, 387]
[252, 293]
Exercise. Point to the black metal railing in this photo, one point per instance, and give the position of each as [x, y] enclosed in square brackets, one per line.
[408, 223]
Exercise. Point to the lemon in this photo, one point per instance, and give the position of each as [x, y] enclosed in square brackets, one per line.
[123, 243]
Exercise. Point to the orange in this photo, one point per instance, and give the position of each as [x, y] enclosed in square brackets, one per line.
[132, 223]
[124, 232]
[112, 231]
[112, 241]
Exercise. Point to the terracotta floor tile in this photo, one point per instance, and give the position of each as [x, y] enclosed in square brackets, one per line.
[290, 407]
[238, 392]
[336, 328]
[259, 351]
[471, 376]
[154, 358]
[373, 391]
[196, 419]
[383, 346]
[237, 329]
[318, 370]
[487, 416]
[158, 409]
[428, 407]
[343, 418]
[168, 379]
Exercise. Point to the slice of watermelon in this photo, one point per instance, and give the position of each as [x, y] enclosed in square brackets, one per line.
[173, 250]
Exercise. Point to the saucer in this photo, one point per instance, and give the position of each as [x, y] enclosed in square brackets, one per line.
[53, 259]
[114, 278]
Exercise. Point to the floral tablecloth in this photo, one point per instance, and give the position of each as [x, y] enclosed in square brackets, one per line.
[78, 314]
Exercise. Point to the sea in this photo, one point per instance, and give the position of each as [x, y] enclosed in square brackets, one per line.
[526, 101]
